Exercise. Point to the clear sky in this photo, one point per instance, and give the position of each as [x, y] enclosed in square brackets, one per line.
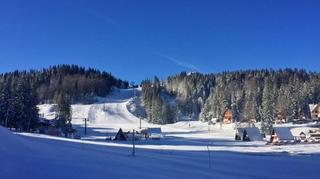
[137, 39]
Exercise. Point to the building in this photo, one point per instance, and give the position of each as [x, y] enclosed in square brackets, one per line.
[281, 135]
[248, 134]
[280, 117]
[306, 134]
[154, 133]
[120, 136]
[315, 111]
[227, 116]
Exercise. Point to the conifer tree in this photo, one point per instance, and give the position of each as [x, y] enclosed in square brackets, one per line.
[268, 107]
[64, 113]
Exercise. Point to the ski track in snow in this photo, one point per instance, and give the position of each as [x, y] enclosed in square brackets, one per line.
[111, 113]
[183, 153]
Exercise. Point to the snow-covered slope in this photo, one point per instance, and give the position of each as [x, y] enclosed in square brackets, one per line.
[15, 143]
[111, 113]
[66, 158]
[189, 150]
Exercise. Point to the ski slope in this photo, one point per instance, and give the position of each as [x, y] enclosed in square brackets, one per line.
[110, 114]
[189, 150]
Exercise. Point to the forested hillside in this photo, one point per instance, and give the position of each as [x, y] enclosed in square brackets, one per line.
[252, 94]
[78, 82]
[21, 91]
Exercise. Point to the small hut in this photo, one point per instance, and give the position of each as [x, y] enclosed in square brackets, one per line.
[120, 136]
[315, 111]
[154, 133]
[248, 134]
[281, 135]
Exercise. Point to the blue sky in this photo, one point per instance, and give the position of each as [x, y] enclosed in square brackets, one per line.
[135, 40]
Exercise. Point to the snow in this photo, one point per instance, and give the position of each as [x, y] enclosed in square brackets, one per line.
[8, 139]
[111, 113]
[183, 152]
[47, 111]
[291, 125]
[297, 131]
[68, 158]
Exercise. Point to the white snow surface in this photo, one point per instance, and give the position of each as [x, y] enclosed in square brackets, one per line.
[188, 150]
[47, 111]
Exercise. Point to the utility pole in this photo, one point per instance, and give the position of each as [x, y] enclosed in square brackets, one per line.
[140, 122]
[85, 126]
[209, 156]
[133, 145]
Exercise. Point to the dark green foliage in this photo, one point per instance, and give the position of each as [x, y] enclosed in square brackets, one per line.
[64, 112]
[18, 104]
[156, 102]
[80, 83]
[252, 94]
[20, 92]
[268, 110]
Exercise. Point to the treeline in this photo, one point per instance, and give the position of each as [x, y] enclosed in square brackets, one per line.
[21, 91]
[79, 83]
[157, 102]
[18, 100]
[252, 94]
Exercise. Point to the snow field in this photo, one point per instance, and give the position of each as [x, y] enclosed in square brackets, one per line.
[189, 150]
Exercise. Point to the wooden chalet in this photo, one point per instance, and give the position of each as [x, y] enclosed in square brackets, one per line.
[227, 116]
[315, 111]
[248, 134]
[281, 135]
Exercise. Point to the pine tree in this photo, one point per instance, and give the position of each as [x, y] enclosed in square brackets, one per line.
[244, 92]
[5, 97]
[268, 110]
[64, 113]
[250, 109]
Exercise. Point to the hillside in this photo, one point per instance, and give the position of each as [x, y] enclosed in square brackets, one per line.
[251, 94]
[183, 153]
[21, 91]
[81, 84]
[110, 114]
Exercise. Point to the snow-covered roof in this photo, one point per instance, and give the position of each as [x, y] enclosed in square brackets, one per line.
[297, 130]
[283, 133]
[252, 132]
[312, 106]
[291, 125]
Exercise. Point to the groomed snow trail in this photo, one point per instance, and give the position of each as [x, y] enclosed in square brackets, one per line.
[111, 113]
[183, 153]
